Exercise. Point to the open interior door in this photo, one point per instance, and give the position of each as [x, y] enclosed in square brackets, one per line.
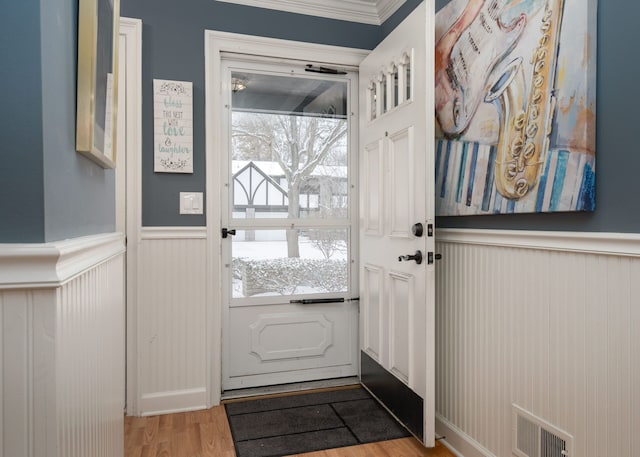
[397, 277]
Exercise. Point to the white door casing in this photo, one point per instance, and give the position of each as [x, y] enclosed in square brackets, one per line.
[121, 137]
[128, 183]
[397, 191]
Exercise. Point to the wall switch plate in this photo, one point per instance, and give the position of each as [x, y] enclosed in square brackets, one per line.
[191, 203]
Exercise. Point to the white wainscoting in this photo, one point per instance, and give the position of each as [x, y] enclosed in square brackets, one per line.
[62, 345]
[547, 321]
[172, 320]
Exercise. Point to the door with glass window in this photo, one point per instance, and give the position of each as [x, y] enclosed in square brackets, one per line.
[287, 216]
[397, 242]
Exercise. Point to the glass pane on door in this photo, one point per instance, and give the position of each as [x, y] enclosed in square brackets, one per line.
[289, 152]
[289, 262]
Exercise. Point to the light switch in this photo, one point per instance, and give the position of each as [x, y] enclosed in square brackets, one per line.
[190, 202]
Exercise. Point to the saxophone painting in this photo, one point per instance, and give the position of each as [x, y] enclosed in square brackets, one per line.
[515, 106]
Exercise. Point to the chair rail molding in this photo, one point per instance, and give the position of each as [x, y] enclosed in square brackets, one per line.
[51, 265]
[173, 233]
[618, 244]
[373, 12]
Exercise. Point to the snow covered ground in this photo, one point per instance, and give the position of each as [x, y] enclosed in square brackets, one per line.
[278, 250]
[264, 250]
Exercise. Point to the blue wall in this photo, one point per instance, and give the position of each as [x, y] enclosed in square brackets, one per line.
[48, 192]
[21, 185]
[173, 48]
[79, 196]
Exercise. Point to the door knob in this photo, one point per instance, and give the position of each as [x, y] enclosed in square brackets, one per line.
[417, 229]
[417, 257]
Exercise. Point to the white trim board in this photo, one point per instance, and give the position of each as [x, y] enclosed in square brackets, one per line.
[173, 233]
[51, 265]
[217, 44]
[225, 42]
[367, 12]
[619, 244]
[173, 402]
[131, 30]
[458, 442]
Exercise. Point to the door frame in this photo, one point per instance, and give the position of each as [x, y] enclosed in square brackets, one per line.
[232, 306]
[131, 30]
[216, 44]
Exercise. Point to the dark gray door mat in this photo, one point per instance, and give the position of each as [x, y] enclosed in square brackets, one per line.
[295, 424]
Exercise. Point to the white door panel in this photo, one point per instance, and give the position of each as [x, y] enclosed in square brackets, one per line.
[401, 316]
[397, 297]
[372, 188]
[401, 186]
[289, 343]
[372, 299]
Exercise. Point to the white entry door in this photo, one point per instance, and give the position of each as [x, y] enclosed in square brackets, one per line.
[397, 276]
[287, 211]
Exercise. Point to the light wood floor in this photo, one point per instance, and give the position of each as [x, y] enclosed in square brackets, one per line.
[206, 434]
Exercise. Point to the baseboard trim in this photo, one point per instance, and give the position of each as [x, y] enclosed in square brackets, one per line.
[451, 449]
[176, 401]
[458, 442]
[618, 244]
[51, 265]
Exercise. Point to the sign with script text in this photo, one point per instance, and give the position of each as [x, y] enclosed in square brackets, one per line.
[173, 126]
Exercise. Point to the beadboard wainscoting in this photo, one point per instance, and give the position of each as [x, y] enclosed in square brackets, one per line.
[172, 320]
[62, 324]
[549, 322]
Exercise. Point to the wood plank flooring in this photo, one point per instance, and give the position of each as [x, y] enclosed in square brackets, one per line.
[206, 434]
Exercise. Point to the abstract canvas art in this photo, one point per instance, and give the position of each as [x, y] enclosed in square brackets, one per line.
[515, 90]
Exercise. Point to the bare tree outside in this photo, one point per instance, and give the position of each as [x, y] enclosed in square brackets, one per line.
[299, 144]
[329, 242]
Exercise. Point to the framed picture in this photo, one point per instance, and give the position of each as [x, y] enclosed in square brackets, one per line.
[98, 32]
[515, 106]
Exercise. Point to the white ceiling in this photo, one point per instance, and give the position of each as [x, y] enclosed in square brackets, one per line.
[364, 11]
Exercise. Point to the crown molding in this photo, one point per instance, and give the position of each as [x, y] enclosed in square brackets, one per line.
[386, 8]
[366, 12]
[50, 265]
